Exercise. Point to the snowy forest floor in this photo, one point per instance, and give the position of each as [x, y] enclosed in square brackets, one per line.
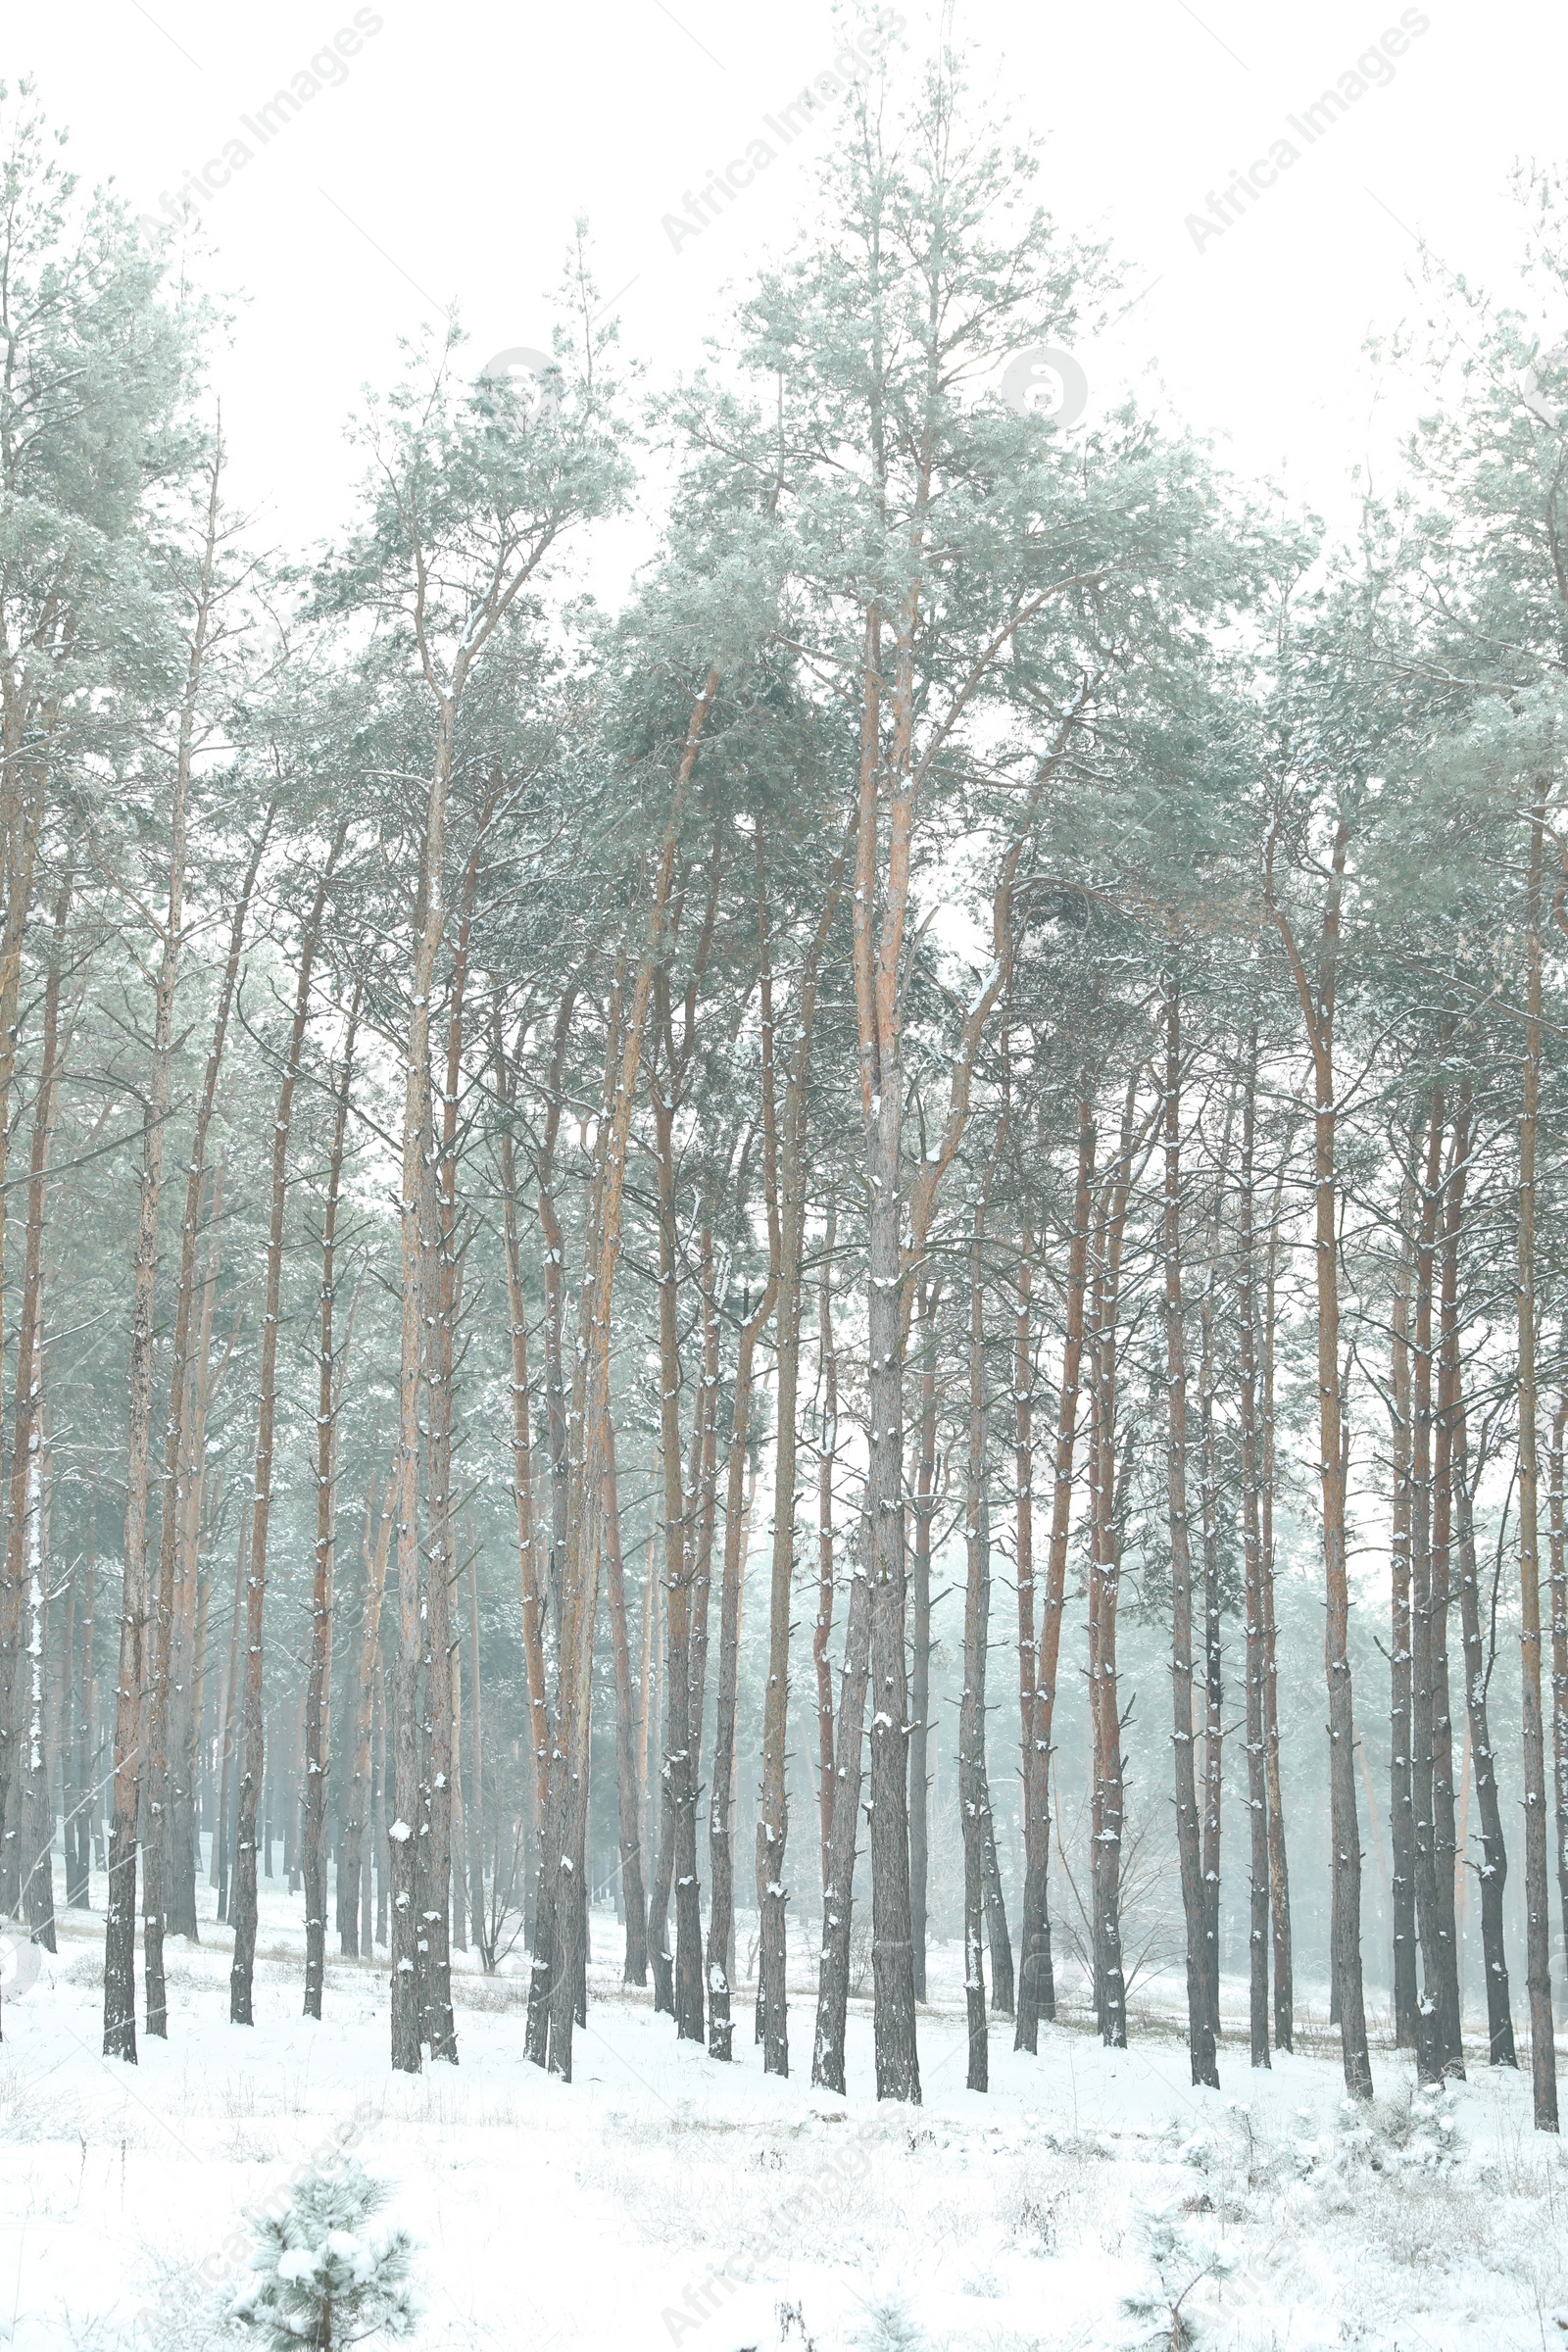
[663, 2200]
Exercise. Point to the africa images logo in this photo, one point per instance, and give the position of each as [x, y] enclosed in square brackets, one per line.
[328, 70]
[1373, 70]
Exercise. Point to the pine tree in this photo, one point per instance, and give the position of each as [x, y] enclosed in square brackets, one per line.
[323, 2277]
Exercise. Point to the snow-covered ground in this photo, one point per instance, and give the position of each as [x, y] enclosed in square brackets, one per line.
[663, 2200]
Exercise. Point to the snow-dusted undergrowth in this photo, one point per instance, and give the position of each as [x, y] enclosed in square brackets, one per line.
[1094, 2200]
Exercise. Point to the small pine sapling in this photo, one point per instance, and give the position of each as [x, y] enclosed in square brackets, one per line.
[888, 2327]
[322, 2278]
[1181, 2262]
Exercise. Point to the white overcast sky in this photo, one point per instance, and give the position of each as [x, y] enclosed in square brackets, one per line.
[450, 162]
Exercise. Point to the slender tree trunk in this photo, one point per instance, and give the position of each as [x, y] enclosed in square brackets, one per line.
[678, 1848]
[720, 1849]
[1432, 1439]
[635, 1970]
[483, 1942]
[319, 1695]
[25, 1567]
[159, 1802]
[532, 1573]
[252, 1732]
[88, 1807]
[973, 1803]
[647, 1698]
[224, 1842]
[353, 1862]
[822, 1629]
[1317, 1001]
[1108, 1804]
[380, 1853]
[157, 1600]
[1278, 1866]
[1213, 1651]
[418, 1309]
[1493, 1871]
[785, 1173]
[689, 1981]
[838, 1895]
[1257, 1937]
[459, 1889]
[191, 1599]
[1077, 1289]
[1034, 1775]
[72, 1788]
[1407, 2026]
[1199, 2030]
[930, 1293]
[443, 1278]
[1538, 1934]
[555, 1280]
[24, 770]
[1559, 1648]
[38, 1820]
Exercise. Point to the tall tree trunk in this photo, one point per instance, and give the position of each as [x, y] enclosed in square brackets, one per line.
[838, 1895]
[554, 1279]
[973, 1798]
[25, 1565]
[1558, 1537]
[1278, 1866]
[157, 1600]
[1317, 1001]
[1199, 2030]
[253, 1756]
[648, 1692]
[318, 1694]
[634, 1901]
[822, 1627]
[721, 1851]
[678, 1858]
[37, 1818]
[354, 1861]
[1493, 1872]
[785, 1185]
[483, 1941]
[189, 1632]
[24, 772]
[532, 1573]
[1407, 2026]
[1538, 1925]
[73, 1787]
[1213, 1650]
[930, 1293]
[1434, 1743]
[224, 1842]
[159, 1800]
[443, 1279]
[1256, 1656]
[88, 1807]
[380, 1848]
[1108, 1804]
[1035, 1760]
[1077, 1294]
[689, 1981]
